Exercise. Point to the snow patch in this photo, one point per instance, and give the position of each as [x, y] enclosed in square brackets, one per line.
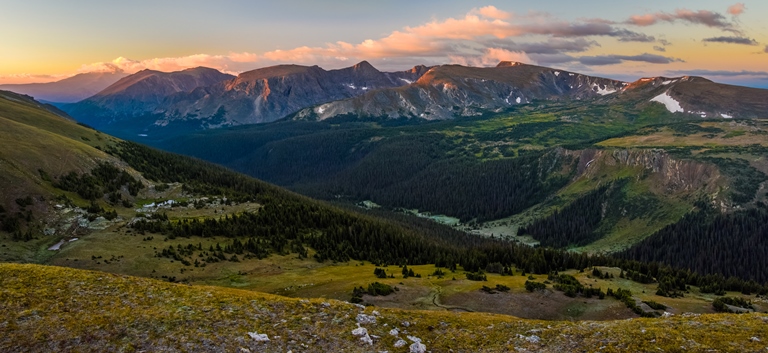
[320, 109]
[570, 74]
[406, 81]
[351, 86]
[666, 82]
[143, 135]
[557, 73]
[669, 102]
[518, 100]
[726, 116]
[603, 91]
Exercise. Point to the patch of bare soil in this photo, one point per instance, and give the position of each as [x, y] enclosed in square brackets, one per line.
[406, 298]
[544, 305]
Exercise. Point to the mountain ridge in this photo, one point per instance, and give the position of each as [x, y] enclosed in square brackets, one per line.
[361, 91]
[68, 90]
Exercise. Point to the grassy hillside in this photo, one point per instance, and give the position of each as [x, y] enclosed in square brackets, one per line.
[33, 138]
[58, 309]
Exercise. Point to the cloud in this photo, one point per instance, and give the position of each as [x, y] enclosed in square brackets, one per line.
[552, 46]
[700, 17]
[130, 66]
[491, 57]
[732, 40]
[736, 9]
[30, 78]
[483, 36]
[766, 49]
[618, 59]
[552, 59]
[491, 12]
[720, 73]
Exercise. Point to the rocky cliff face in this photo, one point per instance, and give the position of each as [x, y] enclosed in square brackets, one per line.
[672, 175]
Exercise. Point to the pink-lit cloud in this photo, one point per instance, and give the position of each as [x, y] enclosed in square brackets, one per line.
[491, 57]
[492, 12]
[737, 9]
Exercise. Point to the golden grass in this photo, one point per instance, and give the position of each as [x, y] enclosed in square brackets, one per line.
[59, 309]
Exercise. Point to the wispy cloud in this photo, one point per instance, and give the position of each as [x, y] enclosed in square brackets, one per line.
[659, 48]
[732, 40]
[30, 78]
[720, 73]
[700, 17]
[618, 59]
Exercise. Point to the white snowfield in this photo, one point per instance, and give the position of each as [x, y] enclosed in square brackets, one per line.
[603, 91]
[669, 102]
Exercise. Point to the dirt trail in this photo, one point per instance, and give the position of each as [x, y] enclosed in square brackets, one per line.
[435, 293]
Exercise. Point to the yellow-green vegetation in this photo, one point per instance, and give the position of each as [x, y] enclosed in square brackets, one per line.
[45, 309]
[705, 134]
[120, 250]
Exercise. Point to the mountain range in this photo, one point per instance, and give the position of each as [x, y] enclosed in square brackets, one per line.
[203, 98]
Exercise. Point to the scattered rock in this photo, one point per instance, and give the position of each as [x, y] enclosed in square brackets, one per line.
[367, 339]
[325, 305]
[394, 332]
[418, 347]
[259, 337]
[667, 314]
[361, 307]
[414, 339]
[360, 331]
[406, 324]
[754, 339]
[376, 313]
[365, 319]
[530, 339]
[400, 343]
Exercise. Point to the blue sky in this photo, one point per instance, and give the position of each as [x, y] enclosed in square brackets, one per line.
[48, 40]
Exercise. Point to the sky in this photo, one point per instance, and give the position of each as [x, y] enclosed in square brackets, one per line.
[726, 41]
